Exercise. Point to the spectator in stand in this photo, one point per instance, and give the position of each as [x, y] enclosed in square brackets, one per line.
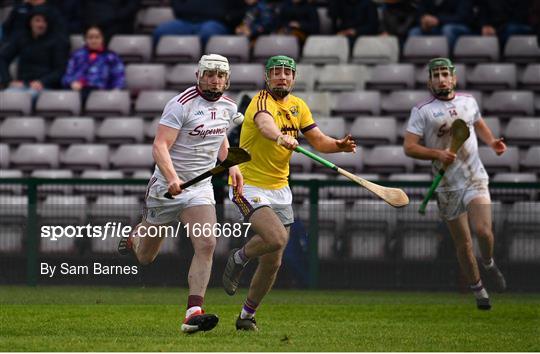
[42, 56]
[93, 67]
[299, 18]
[451, 18]
[16, 23]
[258, 19]
[503, 18]
[398, 17]
[354, 18]
[204, 18]
[112, 16]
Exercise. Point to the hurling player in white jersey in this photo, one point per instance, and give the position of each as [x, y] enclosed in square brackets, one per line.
[462, 196]
[191, 135]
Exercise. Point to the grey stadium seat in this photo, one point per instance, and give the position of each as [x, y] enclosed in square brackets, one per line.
[4, 155]
[151, 128]
[247, 76]
[387, 159]
[119, 209]
[332, 126]
[537, 103]
[490, 77]
[474, 49]
[531, 161]
[530, 78]
[13, 209]
[351, 104]
[342, 77]
[148, 19]
[76, 41]
[121, 130]
[22, 130]
[374, 130]
[34, 156]
[420, 49]
[325, 49]
[514, 194]
[511, 177]
[69, 130]
[15, 103]
[524, 229]
[400, 103]
[152, 103]
[349, 193]
[54, 188]
[300, 163]
[507, 162]
[182, 76]
[422, 76]
[523, 131]
[178, 49]
[494, 125]
[391, 77]
[319, 103]
[7, 188]
[305, 77]
[133, 157]
[58, 103]
[101, 189]
[145, 77]
[510, 103]
[102, 103]
[331, 219]
[375, 50]
[522, 49]
[86, 156]
[349, 161]
[234, 48]
[132, 48]
[275, 44]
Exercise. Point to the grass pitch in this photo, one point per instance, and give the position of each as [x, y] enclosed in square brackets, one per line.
[148, 319]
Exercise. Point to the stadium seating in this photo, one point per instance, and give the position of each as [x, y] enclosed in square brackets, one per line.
[375, 50]
[509, 103]
[79, 157]
[331, 225]
[349, 194]
[531, 161]
[511, 195]
[76, 41]
[387, 159]
[374, 130]
[234, 48]
[102, 103]
[247, 77]
[354, 103]
[491, 77]
[132, 48]
[305, 77]
[22, 130]
[507, 162]
[152, 103]
[270, 45]
[69, 130]
[8, 188]
[178, 49]
[494, 125]
[300, 164]
[119, 209]
[100, 189]
[523, 228]
[388, 77]
[13, 209]
[15, 103]
[474, 49]
[325, 49]
[400, 103]
[332, 126]
[530, 78]
[145, 77]
[132, 157]
[420, 49]
[320, 103]
[33, 156]
[53, 188]
[181, 76]
[523, 131]
[349, 161]
[151, 128]
[121, 130]
[149, 18]
[343, 77]
[53, 103]
[4, 155]
[521, 49]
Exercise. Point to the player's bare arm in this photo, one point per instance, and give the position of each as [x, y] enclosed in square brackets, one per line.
[165, 137]
[237, 179]
[268, 128]
[414, 149]
[326, 144]
[485, 134]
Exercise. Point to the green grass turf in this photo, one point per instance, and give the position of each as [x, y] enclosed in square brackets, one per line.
[147, 319]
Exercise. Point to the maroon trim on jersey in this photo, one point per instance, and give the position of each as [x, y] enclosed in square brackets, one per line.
[261, 101]
[229, 99]
[464, 94]
[309, 127]
[185, 94]
[189, 97]
[425, 102]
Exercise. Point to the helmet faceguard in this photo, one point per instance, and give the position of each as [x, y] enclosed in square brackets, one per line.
[439, 64]
[279, 61]
[213, 62]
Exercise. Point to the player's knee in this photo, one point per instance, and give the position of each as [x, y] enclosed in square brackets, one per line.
[278, 240]
[205, 246]
[483, 231]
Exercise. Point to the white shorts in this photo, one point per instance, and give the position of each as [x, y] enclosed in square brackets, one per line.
[160, 210]
[454, 203]
[280, 200]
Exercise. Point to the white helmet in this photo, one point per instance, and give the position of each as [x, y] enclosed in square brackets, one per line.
[214, 62]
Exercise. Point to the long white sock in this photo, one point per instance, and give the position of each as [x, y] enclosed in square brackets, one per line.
[479, 291]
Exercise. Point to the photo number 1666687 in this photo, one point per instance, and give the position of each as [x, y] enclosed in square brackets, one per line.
[217, 229]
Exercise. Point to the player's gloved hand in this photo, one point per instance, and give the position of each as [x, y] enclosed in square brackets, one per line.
[446, 157]
[347, 144]
[498, 146]
[287, 141]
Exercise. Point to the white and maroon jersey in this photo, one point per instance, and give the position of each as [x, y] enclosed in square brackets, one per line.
[432, 120]
[202, 126]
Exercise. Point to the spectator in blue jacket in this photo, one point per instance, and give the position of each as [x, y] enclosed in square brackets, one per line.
[93, 67]
[299, 18]
[258, 19]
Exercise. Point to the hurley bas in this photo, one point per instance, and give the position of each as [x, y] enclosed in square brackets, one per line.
[95, 269]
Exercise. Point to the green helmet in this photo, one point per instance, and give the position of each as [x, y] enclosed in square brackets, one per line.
[441, 63]
[280, 60]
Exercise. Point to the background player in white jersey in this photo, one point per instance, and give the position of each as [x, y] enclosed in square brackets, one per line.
[191, 135]
[462, 196]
